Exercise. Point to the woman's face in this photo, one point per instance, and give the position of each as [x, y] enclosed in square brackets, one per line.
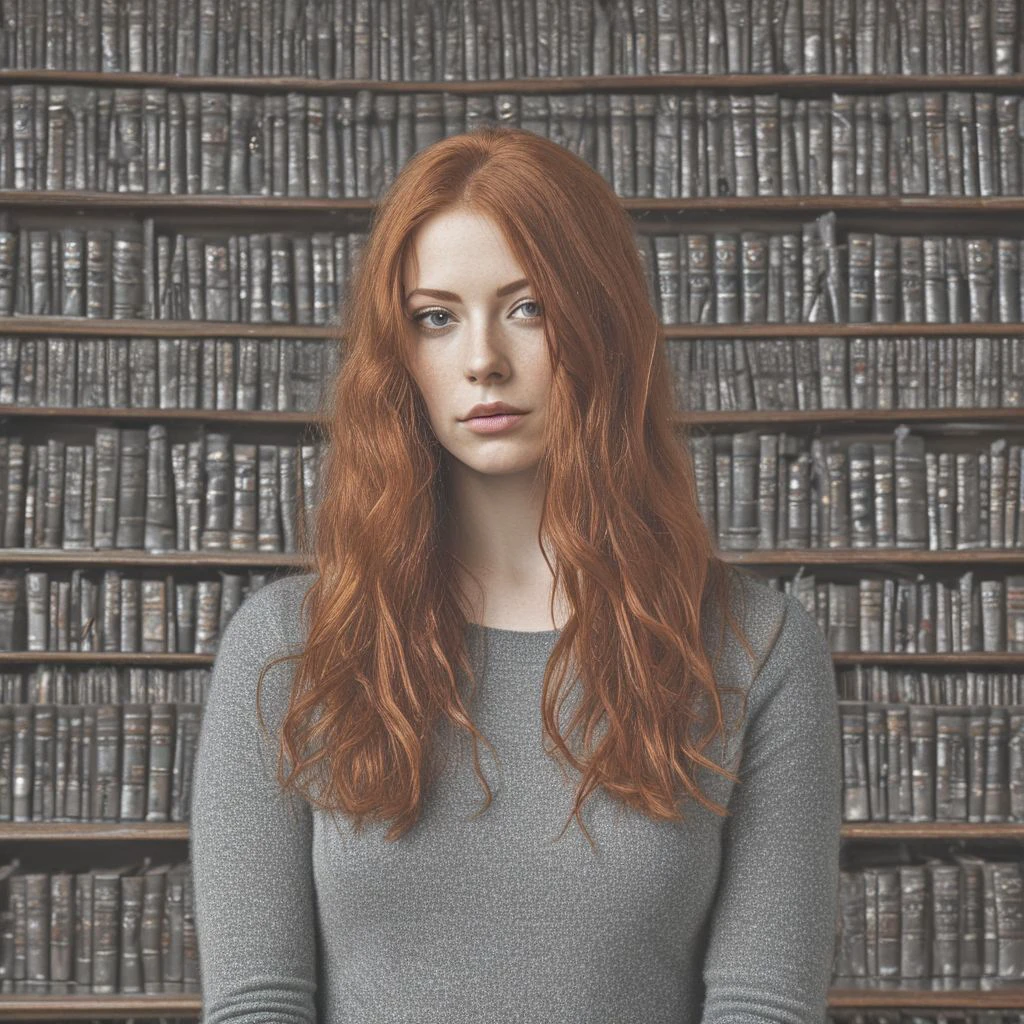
[481, 341]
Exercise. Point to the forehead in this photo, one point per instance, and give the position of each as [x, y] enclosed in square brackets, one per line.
[459, 246]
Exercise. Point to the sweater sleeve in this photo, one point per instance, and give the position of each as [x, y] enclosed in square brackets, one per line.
[250, 846]
[772, 931]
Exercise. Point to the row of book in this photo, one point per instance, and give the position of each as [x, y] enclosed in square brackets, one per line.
[486, 39]
[135, 488]
[880, 612]
[757, 276]
[133, 761]
[943, 919]
[246, 374]
[55, 683]
[915, 372]
[128, 928]
[664, 144]
[860, 490]
[130, 271]
[887, 612]
[98, 762]
[925, 762]
[885, 684]
[111, 610]
[816, 276]
[717, 374]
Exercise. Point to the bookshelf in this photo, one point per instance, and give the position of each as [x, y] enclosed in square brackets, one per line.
[39, 842]
[269, 205]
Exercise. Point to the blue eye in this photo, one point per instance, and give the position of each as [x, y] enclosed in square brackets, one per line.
[421, 317]
[430, 312]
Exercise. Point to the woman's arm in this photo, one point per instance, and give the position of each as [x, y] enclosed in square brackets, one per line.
[250, 847]
[772, 932]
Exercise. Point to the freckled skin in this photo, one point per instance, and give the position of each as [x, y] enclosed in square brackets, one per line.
[481, 348]
[476, 346]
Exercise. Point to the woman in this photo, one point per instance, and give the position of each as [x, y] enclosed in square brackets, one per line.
[467, 574]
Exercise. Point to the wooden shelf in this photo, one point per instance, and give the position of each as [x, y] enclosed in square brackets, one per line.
[147, 659]
[952, 660]
[89, 327]
[805, 330]
[876, 557]
[790, 84]
[47, 831]
[809, 419]
[881, 557]
[948, 660]
[226, 416]
[1011, 996]
[120, 557]
[991, 418]
[179, 202]
[874, 830]
[177, 831]
[85, 327]
[15, 1006]
[25, 1007]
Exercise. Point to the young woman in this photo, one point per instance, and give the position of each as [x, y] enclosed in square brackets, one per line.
[508, 549]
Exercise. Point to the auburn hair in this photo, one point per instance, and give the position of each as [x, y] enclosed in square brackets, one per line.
[638, 566]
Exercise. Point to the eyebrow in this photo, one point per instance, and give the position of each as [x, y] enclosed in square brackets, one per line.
[437, 293]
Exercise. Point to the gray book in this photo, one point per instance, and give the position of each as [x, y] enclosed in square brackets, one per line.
[158, 526]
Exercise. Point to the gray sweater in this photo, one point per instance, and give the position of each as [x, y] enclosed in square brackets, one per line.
[714, 920]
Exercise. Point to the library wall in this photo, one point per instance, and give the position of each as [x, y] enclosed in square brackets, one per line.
[828, 197]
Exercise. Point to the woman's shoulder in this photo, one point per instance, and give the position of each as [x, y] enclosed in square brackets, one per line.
[265, 626]
[271, 615]
[776, 624]
[789, 688]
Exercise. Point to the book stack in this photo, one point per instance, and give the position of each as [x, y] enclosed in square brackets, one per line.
[130, 140]
[825, 195]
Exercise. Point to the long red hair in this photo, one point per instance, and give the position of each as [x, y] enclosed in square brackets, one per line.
[637, 564]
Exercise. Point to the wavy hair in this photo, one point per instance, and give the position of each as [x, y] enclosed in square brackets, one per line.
[378, 666]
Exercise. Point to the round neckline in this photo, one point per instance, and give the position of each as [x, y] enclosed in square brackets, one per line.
[513, 632]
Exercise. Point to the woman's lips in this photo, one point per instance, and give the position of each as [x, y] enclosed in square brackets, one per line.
[493, 424]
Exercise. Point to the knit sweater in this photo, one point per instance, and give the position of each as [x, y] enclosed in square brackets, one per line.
[712, 920]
